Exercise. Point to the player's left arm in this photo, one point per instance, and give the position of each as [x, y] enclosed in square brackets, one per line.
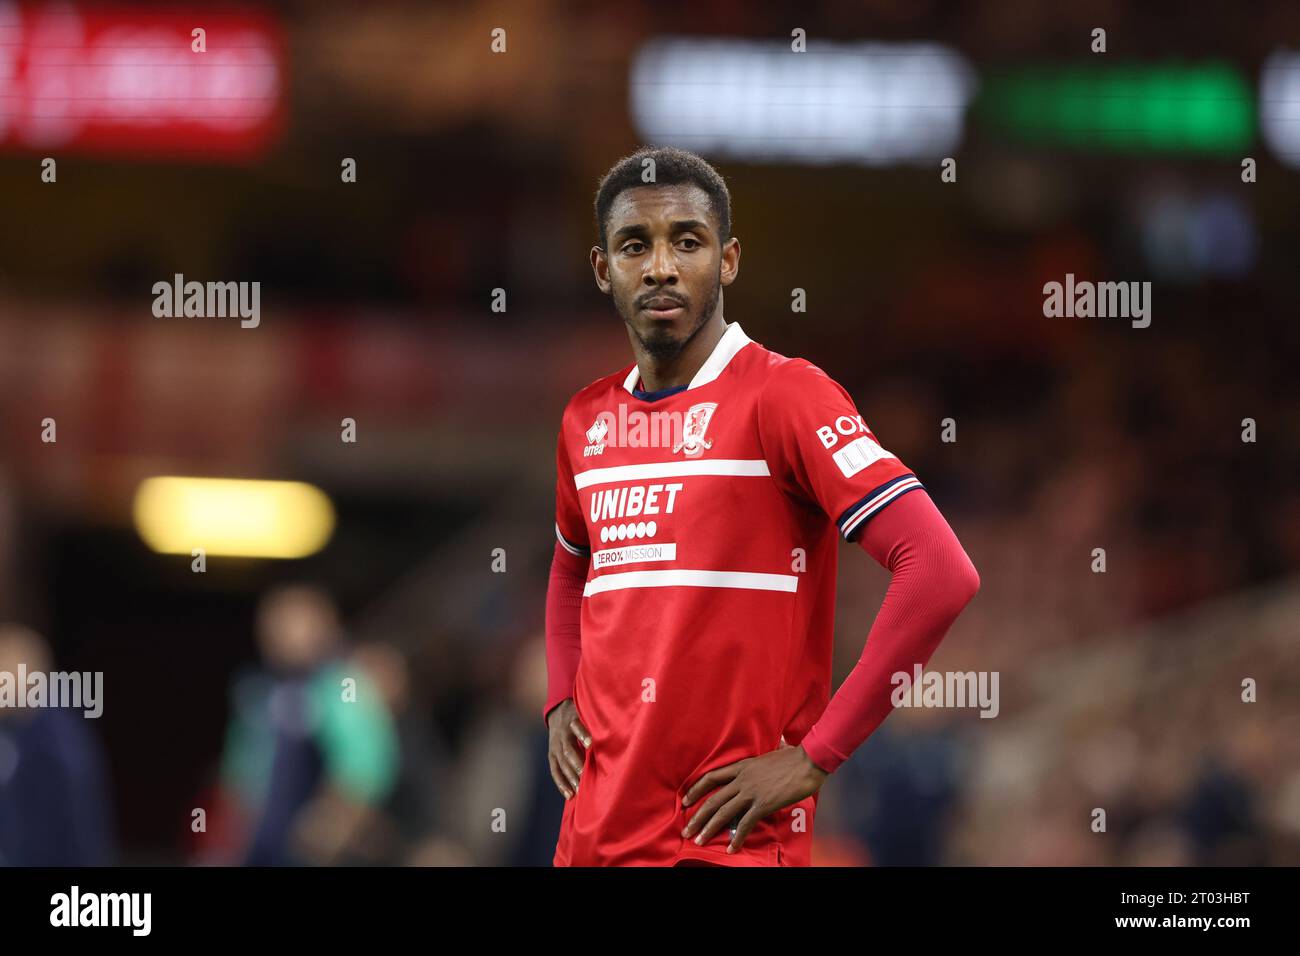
[818, 447]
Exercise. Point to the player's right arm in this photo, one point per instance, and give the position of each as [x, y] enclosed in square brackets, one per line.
[568, 577]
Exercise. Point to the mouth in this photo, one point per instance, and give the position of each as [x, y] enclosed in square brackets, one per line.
[663, 308]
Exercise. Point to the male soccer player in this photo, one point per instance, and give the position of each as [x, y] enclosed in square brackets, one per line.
[700, 495]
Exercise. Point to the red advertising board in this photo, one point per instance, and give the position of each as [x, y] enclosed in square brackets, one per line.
[139, 80]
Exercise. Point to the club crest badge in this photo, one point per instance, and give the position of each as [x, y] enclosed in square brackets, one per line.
[697, 422]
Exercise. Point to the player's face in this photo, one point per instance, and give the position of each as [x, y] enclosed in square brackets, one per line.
[665, 264]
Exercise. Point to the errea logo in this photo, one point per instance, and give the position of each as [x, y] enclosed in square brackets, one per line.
[857, 454]
[596, 438]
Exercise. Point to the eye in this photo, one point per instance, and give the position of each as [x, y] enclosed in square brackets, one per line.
[694, 243]
[628, 247]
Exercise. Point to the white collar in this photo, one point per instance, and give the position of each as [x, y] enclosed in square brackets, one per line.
[733, 340]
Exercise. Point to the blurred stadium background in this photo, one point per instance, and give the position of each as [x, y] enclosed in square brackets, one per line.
[475, 172]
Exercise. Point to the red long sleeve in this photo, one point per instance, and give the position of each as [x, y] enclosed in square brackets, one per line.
[563, 617]
[933, 579]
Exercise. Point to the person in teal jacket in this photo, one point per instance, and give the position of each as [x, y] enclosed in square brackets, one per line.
[311, 748]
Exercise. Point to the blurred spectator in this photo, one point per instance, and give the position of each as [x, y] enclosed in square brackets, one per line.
[55, 804]
[311, 748]
[505, 768]
[413, 811]
[899, 789]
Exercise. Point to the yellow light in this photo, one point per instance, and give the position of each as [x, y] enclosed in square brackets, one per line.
[251, 519]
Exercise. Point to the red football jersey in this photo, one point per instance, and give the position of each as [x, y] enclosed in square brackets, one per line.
[711, 518]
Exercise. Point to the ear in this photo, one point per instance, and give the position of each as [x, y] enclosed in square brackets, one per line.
[730, 265]
[600, 266]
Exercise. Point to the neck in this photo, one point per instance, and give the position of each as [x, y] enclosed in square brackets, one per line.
[679, 369]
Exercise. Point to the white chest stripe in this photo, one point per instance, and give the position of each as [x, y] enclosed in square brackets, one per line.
[735, 467]
[750, 580]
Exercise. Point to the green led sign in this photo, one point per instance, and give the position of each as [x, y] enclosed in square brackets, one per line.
[1200, 108]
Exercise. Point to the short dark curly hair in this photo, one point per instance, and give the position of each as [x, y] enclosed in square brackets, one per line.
[673, 167]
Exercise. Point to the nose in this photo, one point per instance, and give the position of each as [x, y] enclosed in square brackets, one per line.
[661, 266]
